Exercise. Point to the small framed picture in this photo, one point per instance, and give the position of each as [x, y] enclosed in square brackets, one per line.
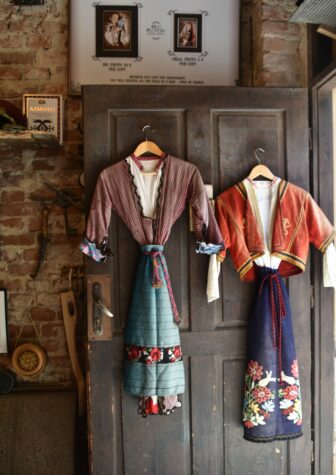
[44, 113]
[188, 32]
[117, 31]
[3, 321]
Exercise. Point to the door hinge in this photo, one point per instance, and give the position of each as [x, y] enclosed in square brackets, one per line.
[312, 296]
[312, 452]
[310, 138]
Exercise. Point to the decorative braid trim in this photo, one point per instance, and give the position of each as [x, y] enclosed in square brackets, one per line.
[241, 189]
[283, 189]
[245, 267]
[273, 437]
[326, 243]
[286, 256]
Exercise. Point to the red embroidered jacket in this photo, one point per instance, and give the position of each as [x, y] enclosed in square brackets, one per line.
[298, 221]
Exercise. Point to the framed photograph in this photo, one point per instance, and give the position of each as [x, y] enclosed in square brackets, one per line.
[44, 113]
[3, 321]
[188, 33]
[117, 31]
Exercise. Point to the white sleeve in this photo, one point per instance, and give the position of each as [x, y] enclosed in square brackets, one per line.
[329, 266]
[213, 277]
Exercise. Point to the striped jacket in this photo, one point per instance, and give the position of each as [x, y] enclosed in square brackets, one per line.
[298, 221]
[116, 191]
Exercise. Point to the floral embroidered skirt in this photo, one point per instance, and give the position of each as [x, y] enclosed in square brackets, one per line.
[272, 402]
[153, 366]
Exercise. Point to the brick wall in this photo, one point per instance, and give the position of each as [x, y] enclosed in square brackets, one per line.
[273, 50]
[34, 58]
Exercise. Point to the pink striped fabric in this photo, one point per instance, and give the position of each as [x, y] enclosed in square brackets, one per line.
[181, 182]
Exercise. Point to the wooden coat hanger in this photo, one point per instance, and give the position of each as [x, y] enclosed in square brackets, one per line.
[147, 146]
[260, 169]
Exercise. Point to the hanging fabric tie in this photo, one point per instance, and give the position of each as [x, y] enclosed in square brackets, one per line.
[278, 309]
[157, 283]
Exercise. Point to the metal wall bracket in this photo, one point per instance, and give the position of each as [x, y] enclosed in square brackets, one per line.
[98, 307]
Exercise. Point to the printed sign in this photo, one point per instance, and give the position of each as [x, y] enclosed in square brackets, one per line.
[44, 113]
[148, 43]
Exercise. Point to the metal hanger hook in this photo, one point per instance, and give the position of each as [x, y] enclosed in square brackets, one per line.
[148, 130]
[256, 153]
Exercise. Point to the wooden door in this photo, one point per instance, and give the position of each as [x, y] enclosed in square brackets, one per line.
[324, 309]
[217, 129]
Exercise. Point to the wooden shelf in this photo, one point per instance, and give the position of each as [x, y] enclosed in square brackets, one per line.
[27, 139]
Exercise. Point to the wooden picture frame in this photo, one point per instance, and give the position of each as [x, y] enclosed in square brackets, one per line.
[188, 32]
[3, 321]
[117, 31]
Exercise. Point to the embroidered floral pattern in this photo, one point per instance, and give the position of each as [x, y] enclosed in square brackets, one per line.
[289, 396]
[258, 403]
[259, 399]
[153, 355]
[151, 405]
[261, 394]
[254, 370]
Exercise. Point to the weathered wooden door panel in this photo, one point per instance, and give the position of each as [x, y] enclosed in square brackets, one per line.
[217, 129]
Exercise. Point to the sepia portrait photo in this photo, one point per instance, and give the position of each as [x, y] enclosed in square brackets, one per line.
[116, 31]
[188, 33]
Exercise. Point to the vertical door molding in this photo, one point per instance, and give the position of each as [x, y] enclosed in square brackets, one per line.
[323, 314]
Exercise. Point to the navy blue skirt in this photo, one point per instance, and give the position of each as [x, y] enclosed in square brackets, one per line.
[272, 401]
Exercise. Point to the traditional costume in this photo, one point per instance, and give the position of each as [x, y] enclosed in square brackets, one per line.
[268, 227]
[149, 194]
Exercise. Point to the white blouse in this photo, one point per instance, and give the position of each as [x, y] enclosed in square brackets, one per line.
[263, 198]
[147, 182]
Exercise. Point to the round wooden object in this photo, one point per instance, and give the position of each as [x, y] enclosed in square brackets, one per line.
[28, 359]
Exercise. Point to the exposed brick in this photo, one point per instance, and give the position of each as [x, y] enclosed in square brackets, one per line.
[9, 73]
[55, 330]
[14, 57]
[10, 196]
[10, 222]
[49, 300]
[17, 240]
[39, 41]
[13, 285]
[15, 24]
[12, 40]
[42, 314]
[276, 45]
[28, 331]
[42, 165]
[30, 255]
[41, 74]
[56, 347]
[53, 27]
[281, 29]
[15, 209]
[19, 303]
[22, 269]
[13, 165]
[270, 13]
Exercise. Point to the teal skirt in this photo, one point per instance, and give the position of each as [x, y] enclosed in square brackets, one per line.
[153, 363]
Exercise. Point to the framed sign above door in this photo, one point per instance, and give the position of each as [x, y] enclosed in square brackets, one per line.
[149, 43]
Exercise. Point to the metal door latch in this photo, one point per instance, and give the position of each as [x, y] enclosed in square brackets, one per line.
[99, 303]
[99, 309]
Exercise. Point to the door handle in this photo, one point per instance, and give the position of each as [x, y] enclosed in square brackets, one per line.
[99, 309]
[99, 303]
